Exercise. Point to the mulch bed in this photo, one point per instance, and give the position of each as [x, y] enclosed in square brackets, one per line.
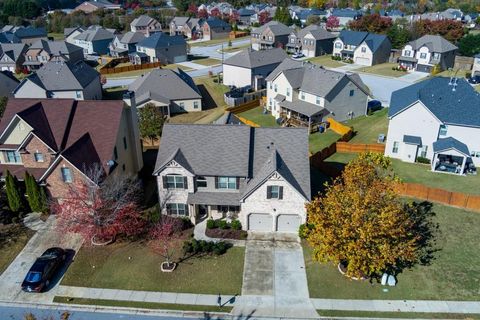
[226, 234]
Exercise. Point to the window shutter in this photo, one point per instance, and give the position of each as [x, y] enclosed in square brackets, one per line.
[238, 183]
[186, 209]
[185, 182]
[269, 192]
[280, 193]
[164, 179]
[216, 182]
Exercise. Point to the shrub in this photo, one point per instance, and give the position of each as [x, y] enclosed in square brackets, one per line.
[220, 248]
[304, 230]
[202, 246]
[222, 224]
[423, 160]
[236, 225]
[187, 247]
[211, 224]
[468, 75]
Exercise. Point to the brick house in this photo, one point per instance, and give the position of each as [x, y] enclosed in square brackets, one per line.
[59, 140]
[215, 28]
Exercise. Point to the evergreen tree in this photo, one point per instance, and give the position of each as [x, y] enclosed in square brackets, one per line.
[33, 193]
[13, 193]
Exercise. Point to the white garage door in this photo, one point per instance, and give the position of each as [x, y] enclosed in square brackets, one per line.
[260, 222]
[288, 223]
[362, 61]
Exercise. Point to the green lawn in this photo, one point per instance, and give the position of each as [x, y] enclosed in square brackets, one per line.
[133, 266]
[367, 128]
[208, 62]
[318, 140]
[383, 69]
[454, 274]
[136, 73]
[236, 48]
[13, 238]
[420, 173]
[256, 115]
[56, 36]
[396, 315]
[209, 43]
[447, 73]
[326, 61]
[142, 305]
[477, 87]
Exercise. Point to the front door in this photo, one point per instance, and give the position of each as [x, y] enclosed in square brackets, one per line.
[202, 212]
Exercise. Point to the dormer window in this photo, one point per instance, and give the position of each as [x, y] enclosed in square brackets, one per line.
[423, 55]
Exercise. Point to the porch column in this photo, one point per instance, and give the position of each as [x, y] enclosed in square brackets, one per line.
[193, 216]
[435, 157]
[464, 161]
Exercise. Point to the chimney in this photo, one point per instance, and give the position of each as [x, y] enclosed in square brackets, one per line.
[133, 132]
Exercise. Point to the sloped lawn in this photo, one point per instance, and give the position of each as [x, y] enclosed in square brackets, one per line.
[454, 274]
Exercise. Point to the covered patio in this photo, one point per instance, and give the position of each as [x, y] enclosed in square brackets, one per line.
[301, 114]
[452, 156]
[213, 205]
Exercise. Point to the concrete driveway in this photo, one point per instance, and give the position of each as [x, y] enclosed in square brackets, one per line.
[274, 281]
[11, 279]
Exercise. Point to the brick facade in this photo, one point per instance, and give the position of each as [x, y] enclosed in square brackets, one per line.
[28, 156]
[56, 187]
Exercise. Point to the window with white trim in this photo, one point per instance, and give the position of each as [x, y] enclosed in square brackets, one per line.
[201, 182]
[364, 49]
[423, 55]
[11, 156]
[423, 152]
[179, 209]
[67, 175]
[443, 130]
[174, 182]
[38, 157]
[395, 147]
[226, 183]
[275, 192]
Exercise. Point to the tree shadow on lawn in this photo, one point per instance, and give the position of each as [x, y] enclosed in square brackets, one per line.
[208, 101]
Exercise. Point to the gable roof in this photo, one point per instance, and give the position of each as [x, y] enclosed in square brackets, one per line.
[346, 13]
[450, 143]
[132, 37]
[241, 151]
[374, 41]
[353, 38]
[277, 28]
[8, 83]
[142, 21]
[161, 40]
[13, 50]
[459, 107]
[59, 76]
[95, 33]
[164, 85]
[249, 58]
[180, 21]
[55, 47]
[75, 129]
[321, 34]
[68, 31]
[285, 65]
[30, 32]
[215, 23]
[434, 43]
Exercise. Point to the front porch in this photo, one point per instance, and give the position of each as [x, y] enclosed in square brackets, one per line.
[213, 205]
[452, 156]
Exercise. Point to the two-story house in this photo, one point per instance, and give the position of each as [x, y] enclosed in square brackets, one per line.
[476, 65]
[94, 40]
[94, 5]
[214, 28]
[271, 35]
[171, 91]
[250, 67]
[12, 56]
[146, 25]
[345, 15]
[43, 51]
[312, 41]
[29, 35]
[125, 44]
[61, 79]
[304, 94]
[259, 176]
[362, 48]
[160, 47]
[188, 27]
[69, 34]
[426, 52]
[437, 119]
[59, 140]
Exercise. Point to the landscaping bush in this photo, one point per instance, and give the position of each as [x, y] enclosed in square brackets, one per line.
[211, 224]
[423, 160]
[304, 230]
[236, 225]
[206, 247]
[222, 224]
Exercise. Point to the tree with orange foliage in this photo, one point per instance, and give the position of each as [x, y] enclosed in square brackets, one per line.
[361, 224]
[371, 23]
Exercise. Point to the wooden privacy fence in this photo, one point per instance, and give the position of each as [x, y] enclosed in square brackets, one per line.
[237, 34]
[456, 199]
[130, 68]
[244, 107]
[359, 147]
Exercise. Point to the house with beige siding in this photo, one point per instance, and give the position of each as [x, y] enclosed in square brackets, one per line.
[171, 91]
[146, 25]
[12, 56]
[271, 35]
[259, 176]
[59, 140]
[214, 28]
[160, 47]
[43, 51]
[65, 80]
[311, 41]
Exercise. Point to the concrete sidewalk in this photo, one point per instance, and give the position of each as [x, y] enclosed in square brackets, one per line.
[145, 296]
[428, 306]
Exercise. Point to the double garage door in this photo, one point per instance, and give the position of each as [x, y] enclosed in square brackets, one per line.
[263, 222]
[362, 61]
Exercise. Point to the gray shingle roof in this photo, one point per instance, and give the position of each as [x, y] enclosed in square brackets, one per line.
[434, 43]
[416, 140]
[141, 21]
[277, 28]
[160, 40]
[215, 23]
[450, 143]
[321, 34]
[8, 83]
[214, 198]
[303, 107]
[58, 76]
[132, 37]
[353, 38]
[285, 65]
[249, 58]
[166, 85]
[180, 21]
[95, 33]
[459, 107]
[374, 41]
[242, 151]
[55, 47]
[14, 50]
[30, 32]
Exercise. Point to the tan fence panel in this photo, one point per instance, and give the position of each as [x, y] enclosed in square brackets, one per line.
[244, 107]
[359, 147]
[473, 203]
[439, 195]
[459, 199]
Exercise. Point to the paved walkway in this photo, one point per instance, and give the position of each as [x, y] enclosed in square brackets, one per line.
[194, 65]
[33, 221]
[414, 76]
[11, 279]
[199, 234]
[274, 282]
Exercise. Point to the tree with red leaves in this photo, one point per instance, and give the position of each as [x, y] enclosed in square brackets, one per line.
[234, 17]
[371, 23]
[215, 12]
[449, 29]
[264, 17]
[192, 9]
[164, 239]
[332, 22]
[100, 208]
[202, 14]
